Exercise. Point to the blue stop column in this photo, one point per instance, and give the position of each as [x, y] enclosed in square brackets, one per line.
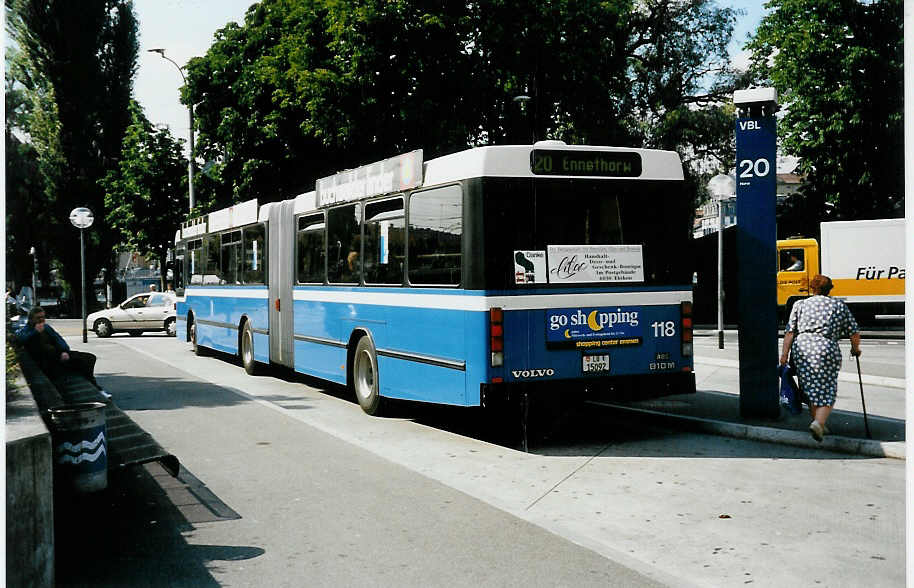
[756, 235]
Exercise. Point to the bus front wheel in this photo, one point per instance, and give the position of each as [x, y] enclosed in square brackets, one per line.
[365, 376]
[199, 350]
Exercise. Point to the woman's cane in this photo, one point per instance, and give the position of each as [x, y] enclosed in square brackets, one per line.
[866, 424]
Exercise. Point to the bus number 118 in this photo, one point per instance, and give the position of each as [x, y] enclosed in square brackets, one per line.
[664, 329]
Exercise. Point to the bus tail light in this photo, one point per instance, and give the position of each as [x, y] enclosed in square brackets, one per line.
[685, 311]
[497, 337]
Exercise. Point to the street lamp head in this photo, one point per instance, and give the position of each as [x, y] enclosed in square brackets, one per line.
[158, 50]
[82, 218]
[722, 186]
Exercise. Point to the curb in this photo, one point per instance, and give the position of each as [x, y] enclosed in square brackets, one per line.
[834, 443]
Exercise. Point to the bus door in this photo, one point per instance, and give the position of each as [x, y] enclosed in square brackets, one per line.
[281, 227]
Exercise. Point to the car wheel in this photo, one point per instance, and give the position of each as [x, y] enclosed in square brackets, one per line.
[247, 350]
[102, 328]
[171, 327]
[365, 377]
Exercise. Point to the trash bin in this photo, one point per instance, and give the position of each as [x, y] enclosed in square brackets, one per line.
[80, 447]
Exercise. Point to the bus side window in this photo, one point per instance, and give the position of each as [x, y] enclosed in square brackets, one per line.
[385, 232]
[310, 238]
[344, 238]
[231, 258]
[435, 233]
[254, 270]
[193, 262]
[211, 266]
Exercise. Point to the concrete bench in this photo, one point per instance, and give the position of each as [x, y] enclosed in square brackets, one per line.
[128, 444]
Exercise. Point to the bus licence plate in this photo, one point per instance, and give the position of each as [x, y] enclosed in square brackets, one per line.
[595, 363]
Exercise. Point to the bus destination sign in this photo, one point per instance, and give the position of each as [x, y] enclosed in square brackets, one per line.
[556, 162]
[390, 175]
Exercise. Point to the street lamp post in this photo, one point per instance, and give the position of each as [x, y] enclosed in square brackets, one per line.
[34, 255]
[190, 110]
[82, 218]
[721, 186]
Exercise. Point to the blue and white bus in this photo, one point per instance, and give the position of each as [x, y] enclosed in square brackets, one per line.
[458, 280]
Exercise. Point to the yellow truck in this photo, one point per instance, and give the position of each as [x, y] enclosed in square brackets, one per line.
[865, 260]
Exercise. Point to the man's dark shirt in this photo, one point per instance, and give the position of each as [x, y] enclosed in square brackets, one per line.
[45, 347]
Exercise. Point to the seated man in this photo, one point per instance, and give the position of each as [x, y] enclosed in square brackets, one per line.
[51, 352]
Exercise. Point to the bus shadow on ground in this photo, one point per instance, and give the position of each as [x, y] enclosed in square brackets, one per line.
[132, 532]
[568, 427]
[582, 429]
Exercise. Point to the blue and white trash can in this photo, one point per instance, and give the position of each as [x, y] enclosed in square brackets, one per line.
[80, 446]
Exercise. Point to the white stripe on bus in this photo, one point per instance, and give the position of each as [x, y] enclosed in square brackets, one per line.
[484, 303]
[228, 292]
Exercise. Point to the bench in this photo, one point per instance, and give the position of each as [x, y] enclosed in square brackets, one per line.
[128, 444]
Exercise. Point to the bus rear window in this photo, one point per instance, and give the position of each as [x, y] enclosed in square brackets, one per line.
[651, 217]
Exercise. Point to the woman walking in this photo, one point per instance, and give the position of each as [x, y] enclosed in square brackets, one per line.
[813, 330]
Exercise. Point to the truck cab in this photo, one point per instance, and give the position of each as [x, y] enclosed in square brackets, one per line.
[798, 262]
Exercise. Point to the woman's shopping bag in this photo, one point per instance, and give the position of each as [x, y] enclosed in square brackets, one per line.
[790, 393]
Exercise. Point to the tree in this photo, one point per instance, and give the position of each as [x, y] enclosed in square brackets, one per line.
[24, 188]
[145, 194]
[308, 87]
[78, 63]
[837, 66]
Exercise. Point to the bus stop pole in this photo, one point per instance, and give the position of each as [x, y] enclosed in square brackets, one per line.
[756, 161]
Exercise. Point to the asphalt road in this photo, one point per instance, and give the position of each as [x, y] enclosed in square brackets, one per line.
[287, 484]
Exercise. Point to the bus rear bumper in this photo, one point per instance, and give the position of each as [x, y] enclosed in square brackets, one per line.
[616, 388]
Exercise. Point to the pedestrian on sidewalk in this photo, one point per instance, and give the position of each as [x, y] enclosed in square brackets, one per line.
[51, 352]
[812, 333]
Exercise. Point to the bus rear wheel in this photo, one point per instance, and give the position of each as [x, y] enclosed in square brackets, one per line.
[247, 350]
[365, 377]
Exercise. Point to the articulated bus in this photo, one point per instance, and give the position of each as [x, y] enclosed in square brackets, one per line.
[458, 280]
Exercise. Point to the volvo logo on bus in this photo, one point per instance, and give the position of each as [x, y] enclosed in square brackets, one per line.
[534, 373]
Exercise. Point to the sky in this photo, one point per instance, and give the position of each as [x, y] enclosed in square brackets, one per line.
[185, 28]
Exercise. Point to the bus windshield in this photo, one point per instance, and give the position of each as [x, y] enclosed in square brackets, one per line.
[525, 216]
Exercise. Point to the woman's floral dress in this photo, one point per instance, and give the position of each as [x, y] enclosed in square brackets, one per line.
[818, 322]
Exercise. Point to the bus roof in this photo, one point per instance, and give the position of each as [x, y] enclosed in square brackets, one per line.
[515, 161]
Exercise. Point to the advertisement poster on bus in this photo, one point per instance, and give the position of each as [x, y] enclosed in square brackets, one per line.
[593, 328]
[595, 263]
[530, 267]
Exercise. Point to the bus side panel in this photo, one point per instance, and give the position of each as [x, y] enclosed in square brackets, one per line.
[321, 361]
[477, 354]
[218, 318]
[325, 358]
[181, 320]
[422, 333]
[409, 380]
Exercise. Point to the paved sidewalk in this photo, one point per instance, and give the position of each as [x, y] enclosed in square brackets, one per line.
[715, 409]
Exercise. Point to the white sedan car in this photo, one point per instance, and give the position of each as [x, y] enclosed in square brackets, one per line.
[151, 311]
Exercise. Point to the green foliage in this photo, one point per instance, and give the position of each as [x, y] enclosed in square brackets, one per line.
[76, 71]
[837, 66]
[12, 369]
[145, 195]
[305, 88]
